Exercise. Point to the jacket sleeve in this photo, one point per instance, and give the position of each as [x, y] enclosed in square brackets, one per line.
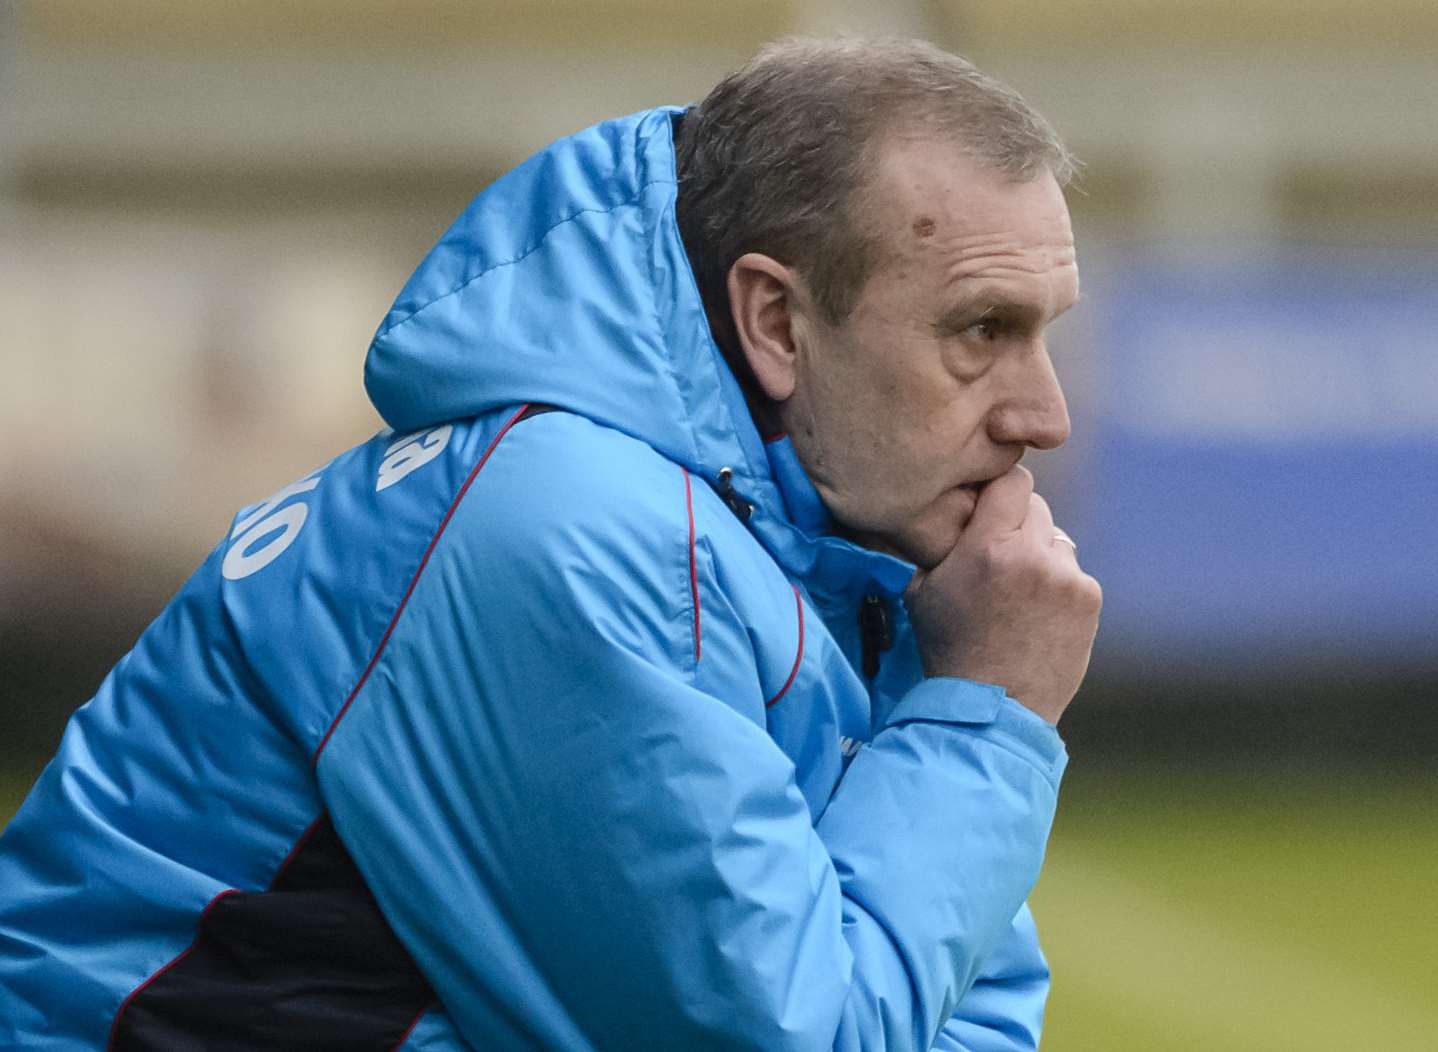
[1004, 1009]
[582, 849]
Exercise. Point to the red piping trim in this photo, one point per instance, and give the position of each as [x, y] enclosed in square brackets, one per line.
[125, 1004]
[410, 1029]
[798, 657]
[775, 437]
[693, 562]
[285, 864]
[423, 562]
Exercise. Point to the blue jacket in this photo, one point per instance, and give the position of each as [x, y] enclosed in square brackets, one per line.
[513, 729]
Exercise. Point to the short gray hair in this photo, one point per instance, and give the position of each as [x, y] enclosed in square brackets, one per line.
[771, 161]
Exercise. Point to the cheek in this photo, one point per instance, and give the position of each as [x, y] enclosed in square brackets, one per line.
[893, 485]
[840, 423]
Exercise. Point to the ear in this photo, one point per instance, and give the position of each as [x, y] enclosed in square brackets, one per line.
[763, 296]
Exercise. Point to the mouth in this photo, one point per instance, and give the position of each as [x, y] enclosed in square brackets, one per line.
[974, 489]
[976, 486]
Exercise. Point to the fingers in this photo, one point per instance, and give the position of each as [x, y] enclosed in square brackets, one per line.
[1040, 530]
[1003, 504]
[1039, 527]
[1064, 542]
[1039, 523]
[1008, 505]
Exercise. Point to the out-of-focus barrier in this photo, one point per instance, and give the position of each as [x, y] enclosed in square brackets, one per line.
[1260, 447]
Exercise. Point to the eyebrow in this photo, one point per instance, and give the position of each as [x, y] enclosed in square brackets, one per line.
[986, 303]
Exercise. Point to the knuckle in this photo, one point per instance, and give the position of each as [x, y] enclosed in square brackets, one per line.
[1004, 556]
[1069, 587]
[1076, 587]
[987, 559]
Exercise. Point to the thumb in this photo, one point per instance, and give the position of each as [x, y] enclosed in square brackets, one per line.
[1003, 504]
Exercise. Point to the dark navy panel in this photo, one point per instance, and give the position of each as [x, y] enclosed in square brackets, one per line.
[189, 775]
[310, 963]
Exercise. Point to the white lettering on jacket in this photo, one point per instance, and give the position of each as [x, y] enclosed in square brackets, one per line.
[263, 535]
[410, 452]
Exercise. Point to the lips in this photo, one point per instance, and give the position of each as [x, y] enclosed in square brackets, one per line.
[977, 485]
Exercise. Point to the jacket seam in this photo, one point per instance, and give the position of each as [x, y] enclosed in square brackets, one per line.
[414, 581]
[994, 737]
[693, 561]
[390, 327]
[799, 650]
[295, 848]
[199, 925]
[1019, 751]
[409, 1030]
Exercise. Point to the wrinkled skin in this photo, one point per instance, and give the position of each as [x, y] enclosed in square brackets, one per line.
[939, 378]
[932, 387]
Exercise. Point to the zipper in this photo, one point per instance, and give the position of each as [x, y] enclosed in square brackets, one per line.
[875, 636]
[741, 508]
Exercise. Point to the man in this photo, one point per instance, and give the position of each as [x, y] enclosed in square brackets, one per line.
[571, 714]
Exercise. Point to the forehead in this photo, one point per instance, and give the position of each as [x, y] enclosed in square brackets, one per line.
[928, 194]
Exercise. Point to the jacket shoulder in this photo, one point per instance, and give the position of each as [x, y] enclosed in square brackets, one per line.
[594, 525]
[561, 480]
[573, 523]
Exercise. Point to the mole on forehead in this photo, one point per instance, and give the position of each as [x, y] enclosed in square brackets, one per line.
[924, 226]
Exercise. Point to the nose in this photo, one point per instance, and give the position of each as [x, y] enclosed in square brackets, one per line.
[1031, 410]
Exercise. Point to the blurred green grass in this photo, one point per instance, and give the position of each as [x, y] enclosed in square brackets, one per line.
[1185, 911]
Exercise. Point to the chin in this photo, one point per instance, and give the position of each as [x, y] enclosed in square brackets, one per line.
[925, 541]
[926, 552]
[925, 548]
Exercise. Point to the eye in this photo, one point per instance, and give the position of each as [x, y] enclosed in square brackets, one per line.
[990, 326]
[986, 329]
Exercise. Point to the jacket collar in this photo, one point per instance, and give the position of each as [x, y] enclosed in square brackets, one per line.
[801, 539]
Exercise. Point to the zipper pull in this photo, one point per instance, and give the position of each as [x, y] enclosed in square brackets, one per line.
[741, 508]
[874, 634]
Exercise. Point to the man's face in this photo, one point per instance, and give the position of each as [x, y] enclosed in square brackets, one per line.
[939, 379]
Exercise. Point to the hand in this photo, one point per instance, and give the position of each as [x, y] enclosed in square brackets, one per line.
[1009, 604]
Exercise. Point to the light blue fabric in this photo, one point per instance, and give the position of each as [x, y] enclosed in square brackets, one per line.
[862, 932]
[600, 750]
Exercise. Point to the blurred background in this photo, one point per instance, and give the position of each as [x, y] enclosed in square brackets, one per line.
[206, 208]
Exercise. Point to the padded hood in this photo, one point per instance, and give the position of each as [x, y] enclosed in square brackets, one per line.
[566, 283]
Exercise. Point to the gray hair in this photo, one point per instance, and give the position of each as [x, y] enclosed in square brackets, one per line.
[774, 157]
